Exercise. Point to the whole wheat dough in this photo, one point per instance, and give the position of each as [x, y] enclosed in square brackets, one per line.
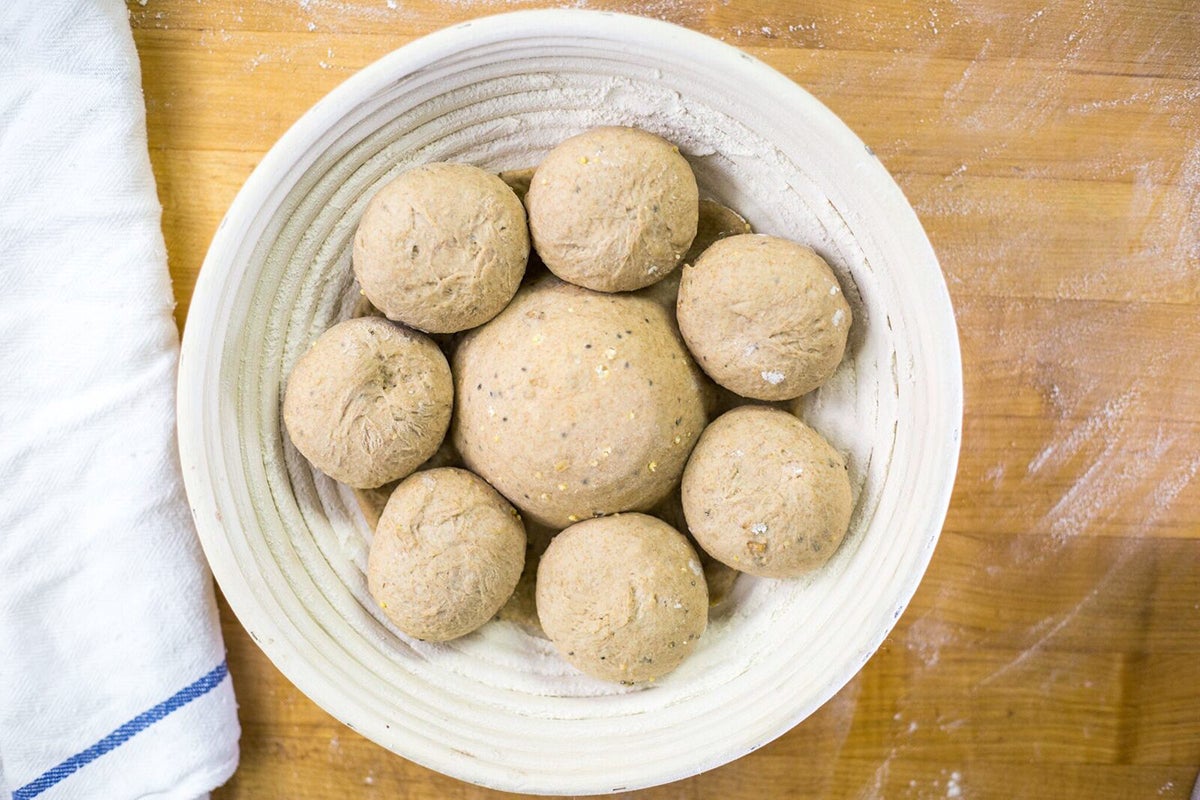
[518, 180]
[371, 502]
[717, 576]
[521, 608]
[765, 494]
[623, 597]
[716, 222]
[613, 209]
[576, 403]
[765, 317]
[446, 555]
[368, 402]
[442, 248]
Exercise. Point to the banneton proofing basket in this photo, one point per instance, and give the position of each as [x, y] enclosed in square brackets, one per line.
[288, 546]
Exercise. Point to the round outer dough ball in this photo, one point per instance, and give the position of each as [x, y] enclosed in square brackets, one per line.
[442, 247]
[765, 317]
[613, 209]
[446, 555]
[623, 597]
[368, 402]
[575, 404]
[765, 494]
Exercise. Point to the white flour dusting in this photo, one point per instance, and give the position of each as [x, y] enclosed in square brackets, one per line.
[1115, 455]
[926, 637]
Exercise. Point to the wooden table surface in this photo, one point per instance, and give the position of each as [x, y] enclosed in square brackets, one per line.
[1052, 151]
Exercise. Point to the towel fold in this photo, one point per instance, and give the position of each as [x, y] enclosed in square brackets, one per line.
[113, 681]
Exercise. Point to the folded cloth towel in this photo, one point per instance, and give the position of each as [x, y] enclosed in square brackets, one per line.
[113, 681]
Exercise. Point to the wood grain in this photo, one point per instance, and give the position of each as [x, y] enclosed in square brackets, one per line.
[1052, 152]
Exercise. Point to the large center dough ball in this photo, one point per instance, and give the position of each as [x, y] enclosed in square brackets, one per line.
[368, 402]
[765, 494]
[765, 317]
[623, 597]
[442, 248]
[613, 209]
[446, 555]
[574, 403]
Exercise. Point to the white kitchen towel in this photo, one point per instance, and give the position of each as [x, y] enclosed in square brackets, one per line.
[113, 681]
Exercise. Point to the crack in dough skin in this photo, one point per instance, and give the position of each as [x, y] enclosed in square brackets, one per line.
[613, 209]
[766, 494]
[447, 554]
[765, 317]
[575, 403]
[442, 248]
[369, 402]
[622, 598]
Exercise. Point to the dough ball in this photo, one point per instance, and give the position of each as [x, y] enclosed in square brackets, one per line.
[765, 317]
[575, 404]
[442, 247]
[716, 222]
[363, 308]
[717, 576]
[368, 402]
[518, 180]
[623, 597]
[446, 555]
[765, 494]
[521, 608]
[613, 209]
[371, 502]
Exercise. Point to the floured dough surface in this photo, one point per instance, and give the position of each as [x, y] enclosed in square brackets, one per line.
[613, 209]
[521, 608]
[575, 403]
[718, 576]
[764, 316]
[446, 555]
[622, 597]
[369, 402]
[716, 222]
[442, 248]
[766, 494]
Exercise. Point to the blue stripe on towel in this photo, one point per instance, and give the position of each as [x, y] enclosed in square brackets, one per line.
[124, 733]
